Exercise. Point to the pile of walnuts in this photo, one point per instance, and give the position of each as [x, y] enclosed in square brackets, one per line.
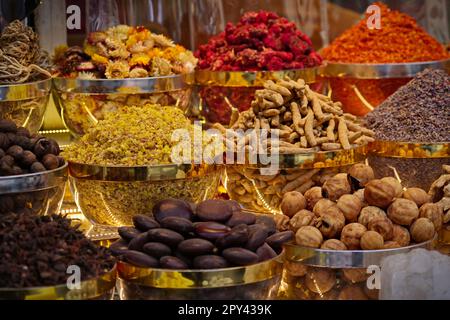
[355, 211]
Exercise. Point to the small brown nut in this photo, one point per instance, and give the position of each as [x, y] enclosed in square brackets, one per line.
[395, 184]
[372, 240]
[312, 196]
[351, 235]
[350, 205]
[292, 203]
[336, 187]
[352, 292]
[333, 244]
[403, 212]
[378, 193]
[363, 173]
[422, 230]
[360, 195]
[301, 219]
[369, 213]
[355, 275]
[322, 205]
[332, 222]
[383, 226]
[401, 235]
[391, 245]
[320, 280]
[309, 236]
[282, 222]
[296, 269]
[434, 212]
[419, 196]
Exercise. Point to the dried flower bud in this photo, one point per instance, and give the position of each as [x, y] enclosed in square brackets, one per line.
[350, 205]
[312, 196]
[419, 196]
[422, 230]
[309, 236]
[336, 187]
[434, 213]
[403, 212]
[379, 194]
[372, 240]
[351, 235]
[301, 219]
[401, 235]
[394, 183]
[362, 173]
[369, 213]
[383, 226]
[292, 203]
[320, 280]
[333, 244]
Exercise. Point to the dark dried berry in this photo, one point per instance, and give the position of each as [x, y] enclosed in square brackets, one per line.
[16, 171]
[4, 141]
[61, 161]
[9, 160]
[173, 263]
[7, 126]
[23, 142]
[28, 158]
[45, 146]
[16, 152]
[37, 167]
[23, 132]
[50, 161]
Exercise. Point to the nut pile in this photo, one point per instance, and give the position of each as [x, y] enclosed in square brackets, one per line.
[214, 234]
[440, 192]
[355, 211]
[307, 121]
[36, 251]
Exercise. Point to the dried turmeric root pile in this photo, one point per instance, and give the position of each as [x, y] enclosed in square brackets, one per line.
[307, 121]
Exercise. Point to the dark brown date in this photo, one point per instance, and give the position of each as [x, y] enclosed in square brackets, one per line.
[237, 237]
[172, 208]
[195, 247]
[256, 239]
[214, 210]
[210, 262]
[235, 206]
[268, 222]
[211, 230]
[181, 225]
[173, 263]
[241, 218]
[240, 256]
[138, 242]
[265, 252]
[157, 249]
[128, 233]
[119, 247]
[140, 259]
[145, 223]
[166, 236]
[277, 240]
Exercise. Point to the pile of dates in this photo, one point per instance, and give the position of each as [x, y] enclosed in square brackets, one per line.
[214, 234]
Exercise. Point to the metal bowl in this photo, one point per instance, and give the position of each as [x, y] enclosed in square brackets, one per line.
[25, 104]
[110, 196]
[82, 103]
[362, 87]
[256, 282]
[42, 192]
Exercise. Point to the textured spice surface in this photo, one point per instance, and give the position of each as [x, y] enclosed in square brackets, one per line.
[417, 112]
[400, 39]
[36, 251]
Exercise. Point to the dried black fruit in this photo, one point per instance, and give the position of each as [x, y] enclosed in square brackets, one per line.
[7, 126]
[156, 249]
[214, 210]
[240, 256]
[145, 223]
[195, 247]
[128, 233]
[172, 208]
[37, 167]
[140, 259]
[50, 161]
[28, 158]
[210, 262]
[16, 152]
[277, 240]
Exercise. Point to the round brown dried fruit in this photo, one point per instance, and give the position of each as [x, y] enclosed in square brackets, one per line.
[378, 193]
[309, 236]
[295, 269]
[322, 205]
[363, 173]
[312, 196]
[369, 213]
[419, 196]
[395, 184]
[360, 195]
[352, 292]
[301, 219]
[372, 240]
[351, 235]
[320, 280]
[401, 235]
[333, 244]
[383, 226]
[351, 206]
[434, 212]
[336, 187]
[355, 275]
[403, 212]
[391, 245]
[422, 230]
[292, 203]
[282, 222]
[332, 222]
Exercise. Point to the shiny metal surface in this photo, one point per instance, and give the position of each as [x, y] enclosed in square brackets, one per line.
[410, 150]
[25, 91]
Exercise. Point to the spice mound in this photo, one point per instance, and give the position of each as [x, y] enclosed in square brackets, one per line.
[400, 39]
[21, 59]
[36, 252]
[124, 52]
[216, 234]
[137, 136]
[417, 112]
[306, 121]
[259, 41]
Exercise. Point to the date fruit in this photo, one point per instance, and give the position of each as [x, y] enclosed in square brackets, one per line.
[240, 256]
[195, 247]
[166, 236]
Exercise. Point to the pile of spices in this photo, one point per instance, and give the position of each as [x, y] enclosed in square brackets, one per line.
[36, 251]
[259, 41]
[400, 39]
[21, 58]
[417, 112]
[125, 52]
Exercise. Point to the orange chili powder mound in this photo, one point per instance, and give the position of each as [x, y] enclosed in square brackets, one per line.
[400, 39]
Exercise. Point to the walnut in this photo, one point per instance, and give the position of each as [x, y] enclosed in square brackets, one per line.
[372, 240]
[363, 173]
[395, 184]
[292, 203]
[350, 205]
[332, 222]
[295, 269]
[391, 245]
[352, 292]
[351, 235]
[312, 196]
[320, 280]
[309, 236]
[360, 195]
[434, 212]
[378, 193]
[403, 212]
[419, 196]
[282, 222]
[336, 187]
[355, 275]
[322, 205]
[333, 244]
[301, 219]
[383, 226]
[369, 213]
[401, 235]
[422, 230]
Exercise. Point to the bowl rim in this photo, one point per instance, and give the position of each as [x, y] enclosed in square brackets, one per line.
[396, 149]
[34, 89]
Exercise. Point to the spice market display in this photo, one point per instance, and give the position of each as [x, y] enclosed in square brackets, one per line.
[244, 166]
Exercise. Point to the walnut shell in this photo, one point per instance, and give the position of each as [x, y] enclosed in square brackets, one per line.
[333, 244]
[301, 219]
[355, 275]
[320, 280]
[378, 193]
[401, 235]
[360, 195]
[332, 222]
[309, 236]
[422, 230]
[351, 235]
[312, 196]
[295, 269]
[419, 196]
[403, 212]
[352, 292]
[369, 213]
[372, 240]
[351, 206]
[383, 226]
[336, 187]
[363, 173]
[391, 245]
[434, 212]
[292, 203]
[395, 184]
[322, 205]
